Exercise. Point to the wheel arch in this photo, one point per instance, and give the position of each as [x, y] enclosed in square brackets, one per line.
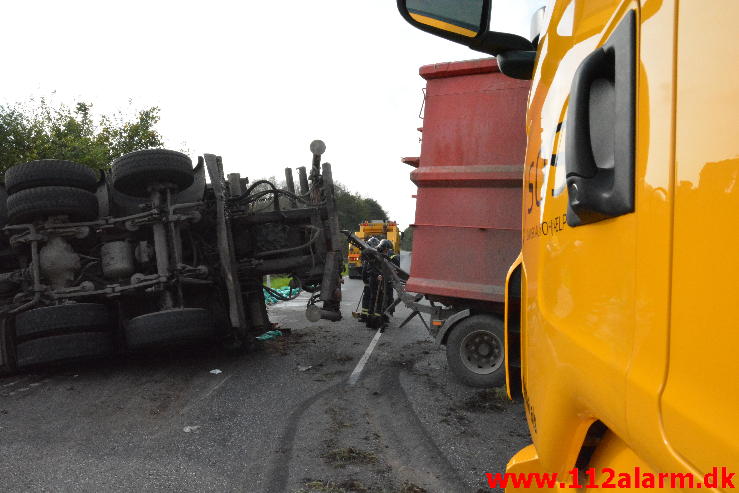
[512, 329]
[443, 335]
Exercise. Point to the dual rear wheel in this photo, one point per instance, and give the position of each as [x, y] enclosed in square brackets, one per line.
[51, 187]
[81, 331]
[475, 351]
[52, 334]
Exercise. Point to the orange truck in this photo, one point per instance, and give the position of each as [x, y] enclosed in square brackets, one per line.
[619, 308]
[379, 229]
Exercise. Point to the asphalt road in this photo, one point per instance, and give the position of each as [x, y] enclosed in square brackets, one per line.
[405, 260]
[283, 419]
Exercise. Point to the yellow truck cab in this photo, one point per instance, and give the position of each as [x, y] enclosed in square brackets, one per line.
[377, 228]
[622, 300]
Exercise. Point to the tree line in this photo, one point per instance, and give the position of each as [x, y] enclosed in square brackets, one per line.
[41, 130]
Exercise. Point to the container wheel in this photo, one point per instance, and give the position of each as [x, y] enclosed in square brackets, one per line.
[59, 333]
[41, 202]
[50, 172]
[169, 327]
[135, 172]
[475, 351]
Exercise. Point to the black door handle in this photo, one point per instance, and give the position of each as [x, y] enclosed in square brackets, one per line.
[599, 140]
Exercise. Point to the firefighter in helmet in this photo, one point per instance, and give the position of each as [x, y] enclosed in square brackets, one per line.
[368, 272]
[386, 248]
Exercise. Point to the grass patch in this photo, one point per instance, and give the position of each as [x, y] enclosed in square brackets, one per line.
[277, 281]
[486, 400]
[354, 486]
[348, 486]
[411, 488]
[344, 456]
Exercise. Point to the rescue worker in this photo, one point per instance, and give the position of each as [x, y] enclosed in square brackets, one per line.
[386, 248]
[368, 294]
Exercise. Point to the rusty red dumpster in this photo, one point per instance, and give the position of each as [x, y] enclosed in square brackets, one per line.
[468, 212]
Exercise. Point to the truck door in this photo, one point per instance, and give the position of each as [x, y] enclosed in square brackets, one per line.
[579, 271]
[700, 400]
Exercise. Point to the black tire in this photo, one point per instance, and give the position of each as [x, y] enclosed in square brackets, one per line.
[7, 348]
[134, 172]
[42, 202]
[61, 319]
[67, 347]
[475, 351]
[169, 327]
[50, 172]
[3, 211]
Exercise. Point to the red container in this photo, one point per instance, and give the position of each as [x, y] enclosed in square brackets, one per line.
[468, 211]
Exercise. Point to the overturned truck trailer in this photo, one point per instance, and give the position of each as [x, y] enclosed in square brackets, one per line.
[150, 254]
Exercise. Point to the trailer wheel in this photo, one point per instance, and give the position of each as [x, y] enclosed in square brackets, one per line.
[41, 202]
[53, 320]
[475, 351]
[169, 327]
[67, 347]
[50, 172]
[135, 172]
[58, 333]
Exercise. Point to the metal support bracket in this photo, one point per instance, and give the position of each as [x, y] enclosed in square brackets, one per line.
[225, 246]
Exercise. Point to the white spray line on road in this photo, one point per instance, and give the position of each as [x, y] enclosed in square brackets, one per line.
[360, 366]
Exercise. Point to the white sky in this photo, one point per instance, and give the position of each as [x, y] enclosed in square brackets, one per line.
[252, 81]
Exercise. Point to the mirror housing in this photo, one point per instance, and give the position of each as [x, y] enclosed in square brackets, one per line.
[518, 64]
[485, 41]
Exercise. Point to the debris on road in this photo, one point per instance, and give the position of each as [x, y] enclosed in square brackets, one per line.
[216, 371]
[272, 295]
[191, 429]
[304, 367]
[269, 335]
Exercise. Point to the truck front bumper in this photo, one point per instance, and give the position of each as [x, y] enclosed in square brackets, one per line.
[526, 462]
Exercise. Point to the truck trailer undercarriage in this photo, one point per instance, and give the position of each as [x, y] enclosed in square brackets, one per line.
[149, 254]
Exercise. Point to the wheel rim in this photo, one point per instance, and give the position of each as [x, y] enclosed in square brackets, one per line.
[481, 352]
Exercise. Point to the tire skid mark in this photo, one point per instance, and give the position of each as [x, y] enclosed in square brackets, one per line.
[414, 453]
[278, 475]
[204, 395]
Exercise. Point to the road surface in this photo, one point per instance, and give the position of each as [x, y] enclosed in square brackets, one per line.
[284, 419]
[405, 260]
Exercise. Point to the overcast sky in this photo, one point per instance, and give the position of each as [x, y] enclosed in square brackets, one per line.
[252, 81]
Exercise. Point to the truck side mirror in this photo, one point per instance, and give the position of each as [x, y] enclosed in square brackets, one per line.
[462, 21]
[461, 18]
